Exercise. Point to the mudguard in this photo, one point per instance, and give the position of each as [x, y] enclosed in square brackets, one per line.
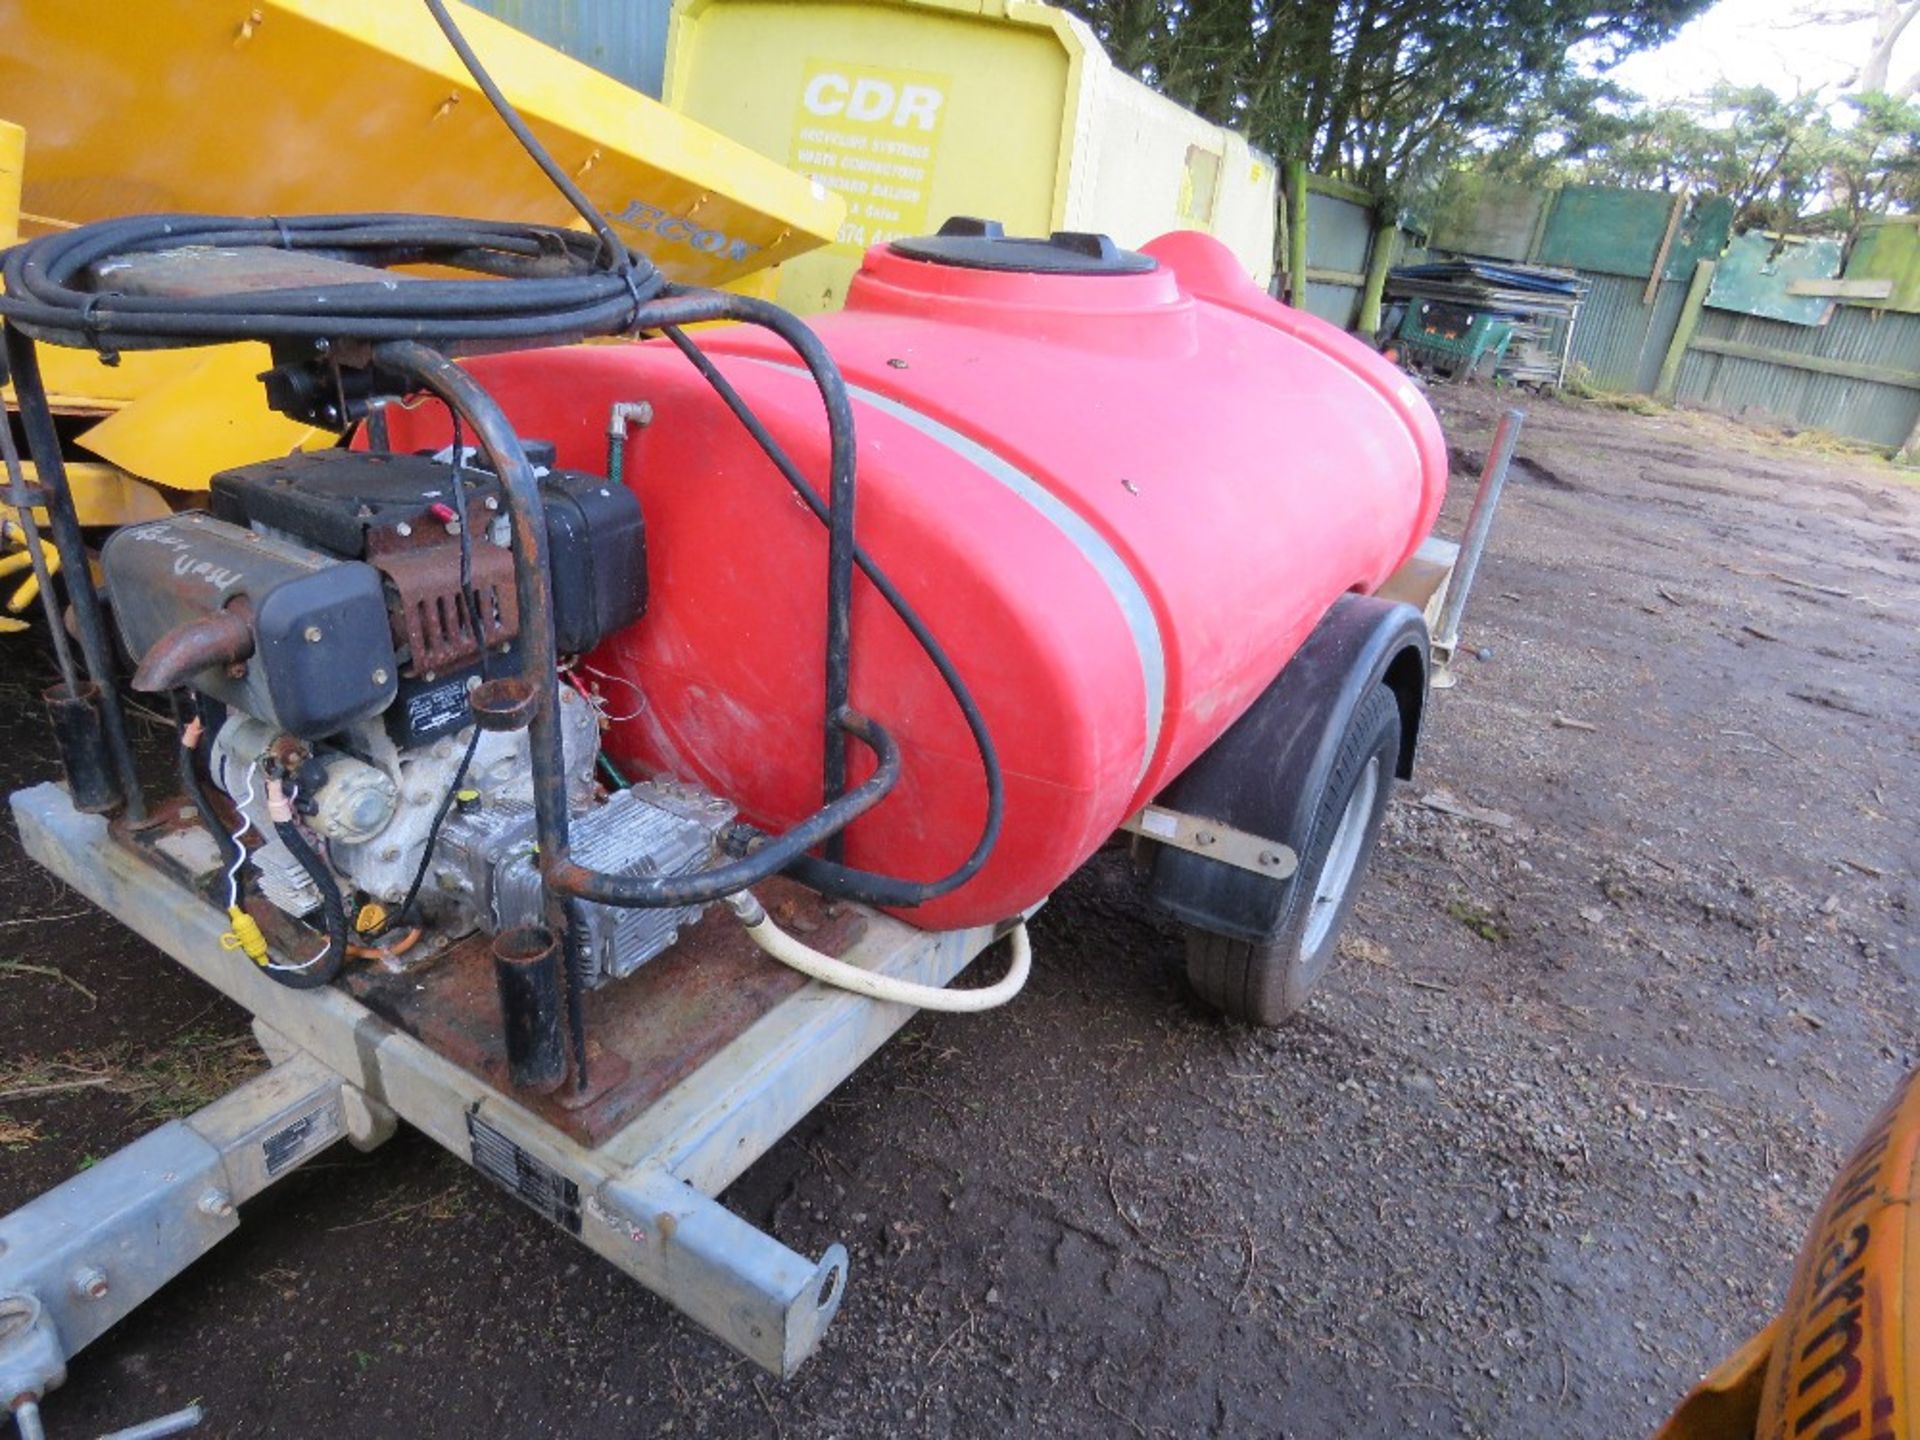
[1265, 775]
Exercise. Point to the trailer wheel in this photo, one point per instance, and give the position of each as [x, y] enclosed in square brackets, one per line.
[1264, 982]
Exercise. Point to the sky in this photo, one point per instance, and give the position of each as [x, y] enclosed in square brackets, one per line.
[1758, 42]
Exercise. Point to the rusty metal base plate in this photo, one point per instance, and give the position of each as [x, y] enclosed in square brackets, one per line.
[645, 1033]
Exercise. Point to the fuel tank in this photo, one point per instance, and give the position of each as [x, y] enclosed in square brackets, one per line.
[1120, 488]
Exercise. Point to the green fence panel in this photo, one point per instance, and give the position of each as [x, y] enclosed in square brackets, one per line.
[1757, 272]
[1478, 216]
[1600, 228]
[1889, 250]
[1702, 235]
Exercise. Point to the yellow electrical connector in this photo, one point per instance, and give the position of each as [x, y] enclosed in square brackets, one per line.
[14, 563]
[245, 935]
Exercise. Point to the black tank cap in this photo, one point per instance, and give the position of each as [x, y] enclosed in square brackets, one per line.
[985, 245]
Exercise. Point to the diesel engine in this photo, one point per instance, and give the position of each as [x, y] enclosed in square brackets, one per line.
[334, 613]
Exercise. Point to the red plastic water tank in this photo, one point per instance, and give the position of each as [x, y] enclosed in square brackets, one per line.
[1121, 500]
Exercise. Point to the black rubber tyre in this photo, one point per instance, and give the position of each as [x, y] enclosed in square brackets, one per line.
[1263, 984]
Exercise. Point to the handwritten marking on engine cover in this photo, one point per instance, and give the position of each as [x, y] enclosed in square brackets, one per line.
[186, 564]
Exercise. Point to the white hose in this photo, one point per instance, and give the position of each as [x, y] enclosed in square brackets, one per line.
[239, 838]
[829, 971]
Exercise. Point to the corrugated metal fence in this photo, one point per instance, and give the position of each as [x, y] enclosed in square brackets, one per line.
[1619, 338]
[626, 39]
[1884, 414]
[1339, 237]
[1737, 363]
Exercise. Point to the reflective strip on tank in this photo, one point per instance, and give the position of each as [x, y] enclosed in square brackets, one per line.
[1135, 608]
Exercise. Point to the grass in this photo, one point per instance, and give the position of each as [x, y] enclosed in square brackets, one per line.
[16, 1135]
[1579, 386]
[192, 1070]
[1757, 434]
[1824, 442]
[17, 969]
[1478, 919]
[443, 1205]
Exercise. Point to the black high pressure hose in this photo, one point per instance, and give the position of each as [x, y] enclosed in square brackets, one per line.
[828, 876]
[561, 291]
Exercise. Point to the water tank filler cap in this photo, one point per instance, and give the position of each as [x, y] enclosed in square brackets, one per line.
[985, 245]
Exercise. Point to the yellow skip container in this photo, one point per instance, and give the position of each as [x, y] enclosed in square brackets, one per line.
[917, 110]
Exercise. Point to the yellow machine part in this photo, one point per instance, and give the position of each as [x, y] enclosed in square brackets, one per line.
[13, 154]
[1842, 1358]
[170, 417]
[996, 146]
[205, 417]
[305, 106]
[308, 106]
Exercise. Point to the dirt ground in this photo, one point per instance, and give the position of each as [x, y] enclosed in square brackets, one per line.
[1538, 1154]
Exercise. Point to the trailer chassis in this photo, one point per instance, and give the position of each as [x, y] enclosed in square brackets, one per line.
[85, 1254]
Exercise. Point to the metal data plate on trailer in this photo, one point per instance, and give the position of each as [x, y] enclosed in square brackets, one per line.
[1216, 841]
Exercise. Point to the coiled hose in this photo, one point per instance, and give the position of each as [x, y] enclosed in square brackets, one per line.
[561, 288]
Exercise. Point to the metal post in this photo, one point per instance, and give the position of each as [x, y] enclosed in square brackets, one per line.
[1668, 383]
[1566, 345]
[161, 1425]
[1493, 479]
[44, 443]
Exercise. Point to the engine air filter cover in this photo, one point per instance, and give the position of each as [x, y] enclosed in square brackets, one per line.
[323, 650]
